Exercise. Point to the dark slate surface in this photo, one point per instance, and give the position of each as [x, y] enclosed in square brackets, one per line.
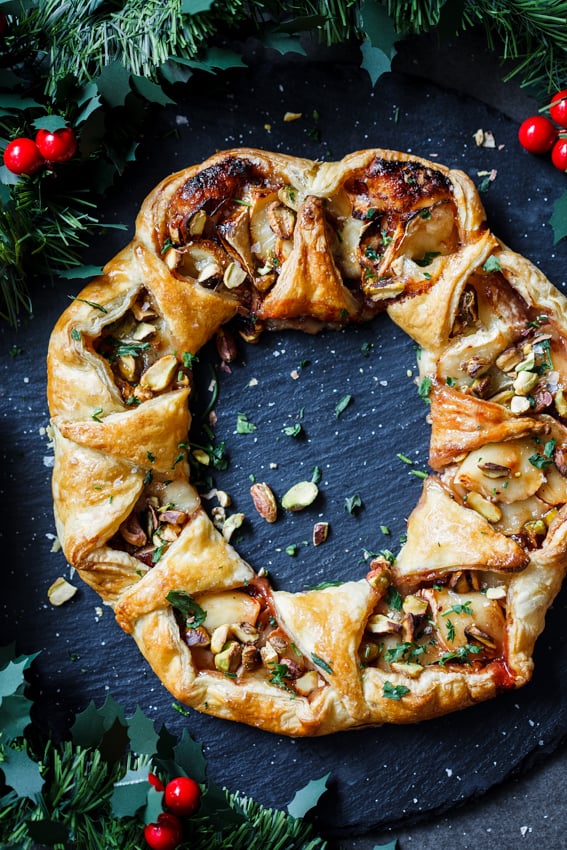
[379, 778]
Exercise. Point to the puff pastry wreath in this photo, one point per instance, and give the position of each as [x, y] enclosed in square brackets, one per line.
[266, 240]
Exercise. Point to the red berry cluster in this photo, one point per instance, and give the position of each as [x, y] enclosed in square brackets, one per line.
[539, 134]
[26, 156]
[181, 799]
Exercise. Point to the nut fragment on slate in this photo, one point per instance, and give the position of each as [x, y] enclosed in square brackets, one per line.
[61, 591]
[230, 525]
[320, 533]
[264, 501]
[300, 496]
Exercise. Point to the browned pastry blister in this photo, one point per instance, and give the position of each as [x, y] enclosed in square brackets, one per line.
[264, 240]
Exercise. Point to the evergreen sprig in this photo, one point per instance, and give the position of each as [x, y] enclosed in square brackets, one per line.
[91, 790]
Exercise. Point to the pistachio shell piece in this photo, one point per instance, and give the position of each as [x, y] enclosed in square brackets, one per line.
[300, 496]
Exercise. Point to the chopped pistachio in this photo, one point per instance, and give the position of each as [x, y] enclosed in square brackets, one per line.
[414, 605]
[219, 638]
[160, 374]
[525, 382]
[61, 591]
[379, 624]
[234, 275]
[228, 661]
[484, 507]
[519, 404]
[300, 496]
[407, 668]
[230, 525]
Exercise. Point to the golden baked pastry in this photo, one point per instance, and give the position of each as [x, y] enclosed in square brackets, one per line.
[274, 241]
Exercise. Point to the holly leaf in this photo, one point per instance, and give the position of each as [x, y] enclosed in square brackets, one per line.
[283, 42]
[113, 84]
[12, 676]
[558, 220]
[47, 832]
[215, 806]
[154, 805]
[150, 91]
[374, 61]
[16, 103]
[379, 27]
[21, 773]
[188, 755]
[131, 792]
[91, 724]
[50, 123]
[214, 59]
[195, 7]
[14, 716]
[142, 734]
[306, 798]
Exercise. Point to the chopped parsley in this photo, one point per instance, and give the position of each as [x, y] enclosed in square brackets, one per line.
[322, 664]
[293, 430]
[353, 504]
[460, 608]
[396, 692]
[243, 426]
[394, 599]
[342, 404]
[424, 389]
[191, 612]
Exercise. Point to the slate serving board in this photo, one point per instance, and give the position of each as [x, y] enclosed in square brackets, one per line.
[378, 777]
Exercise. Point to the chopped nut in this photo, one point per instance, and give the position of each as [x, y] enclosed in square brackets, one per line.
[380, 575]
[264, 501]
[228, 661]
[198, 636]
[300, 496]
[494, 470]
[230, 525]
[251, 658]
[561, 402]
[416, 605]
[407, 668]
[269, 655]
[234, 275]
[484, 507]
[475, 633]
[508, 360]
[307, 683]
[244, 632]
[160, 374]
[475, 366]
[226, 345]
[132, 531]
[201, 456]
[143, 331]
[289, 196]
[281, 219]
[278, 643]
[379, 624]
[499, 592]
[525, 382]
[224, 499]
[560, 459]
[127, 367]
[292, 116]
[369, 651]
[61, 591]
[197, 223]
[320, 533]
[219, 638]
[519, 404]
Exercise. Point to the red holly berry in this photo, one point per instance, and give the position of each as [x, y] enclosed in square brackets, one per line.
[558, 108]
[166, 834]
[537, 134]
[57, 146]
[182, 796]
[22, 156]
[559, 154]
[156, 782]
